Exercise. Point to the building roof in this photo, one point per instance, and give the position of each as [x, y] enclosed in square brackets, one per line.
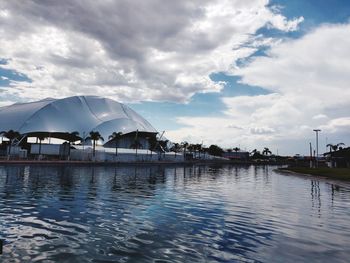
[79, 113]
[341, 153]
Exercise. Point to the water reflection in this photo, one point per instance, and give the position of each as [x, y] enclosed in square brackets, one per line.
[176, 214]
[316, 196]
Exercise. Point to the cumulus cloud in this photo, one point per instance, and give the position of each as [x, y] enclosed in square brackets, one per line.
[309, 83]
[128, 50]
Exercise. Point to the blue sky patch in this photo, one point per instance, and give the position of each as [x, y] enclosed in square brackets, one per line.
[201, 105]
[7, 75]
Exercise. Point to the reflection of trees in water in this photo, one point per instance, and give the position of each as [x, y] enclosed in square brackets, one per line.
[115, 183]
[316, 196]
[13, 180]
[335, 189]
[32, 180]
[339, 193]
[135, 178]
[256, 171]
[37, 181]
[121, 199]
[266, 174]
[92, 192]
[191, 173]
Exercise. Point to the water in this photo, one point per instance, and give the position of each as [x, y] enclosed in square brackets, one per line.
[171, 214]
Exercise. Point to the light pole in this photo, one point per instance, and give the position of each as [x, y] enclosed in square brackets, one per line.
[317, 131]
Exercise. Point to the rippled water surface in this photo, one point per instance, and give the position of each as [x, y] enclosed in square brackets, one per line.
[171, 214]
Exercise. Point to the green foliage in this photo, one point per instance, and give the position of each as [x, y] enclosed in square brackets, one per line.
[152, 142]
[335, 147]
[72, 136]
[215, 150]
[11, 134]
[176, 147]
[266, 151]
[236, 149]
[94, 136]
[116, 136]
[163, 145]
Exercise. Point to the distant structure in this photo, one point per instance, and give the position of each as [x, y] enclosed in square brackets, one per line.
[241, 156]
[338, 158]
[73, 118]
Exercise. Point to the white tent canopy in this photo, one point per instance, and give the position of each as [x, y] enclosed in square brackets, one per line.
[79, 113]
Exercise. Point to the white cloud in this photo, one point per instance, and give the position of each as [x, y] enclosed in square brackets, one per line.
[337, 125]
[320, 116]
[309, 80]
[128, 50]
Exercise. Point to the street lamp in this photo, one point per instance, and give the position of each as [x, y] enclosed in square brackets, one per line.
[317, 131]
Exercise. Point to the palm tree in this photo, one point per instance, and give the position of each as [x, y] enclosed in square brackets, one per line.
[163, 145]
[116, 136]
[330, 146]
[190, 148]
[41, 137]
[335, 147]
[266, 151]
[71, 137]
[255, 154]
[184, 146]
[236, 149]
[339, 144]
[204, 150]
[175, 148]
[152, 141]
[11, 135]
[94, 136]
[136, 144]
[254, 151]
[199, 149]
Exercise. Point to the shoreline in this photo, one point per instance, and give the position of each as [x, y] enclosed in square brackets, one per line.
[99, 163]
[341, 174]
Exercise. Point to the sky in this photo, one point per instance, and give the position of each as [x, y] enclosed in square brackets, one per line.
[236, 73]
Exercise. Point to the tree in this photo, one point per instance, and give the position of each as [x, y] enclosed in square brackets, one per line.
[136, 144]
[204, 150]
[330, 146]
[266, 151]
[215, 150]
[199, 148]
[255, 154]
[184, 145]
[11, 135]
[72, 137]
[175, 148]
[41, 137]
[94, 137]
[236, 149]
[335, 147]
[116, 136]
[190, 148]
[152, 141]
[163, 145]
